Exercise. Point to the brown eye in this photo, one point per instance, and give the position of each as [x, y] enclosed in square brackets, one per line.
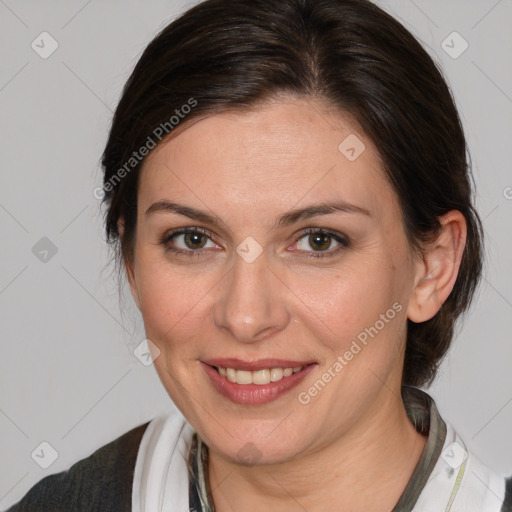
[195, 240]
[188, 241]
[320, 241]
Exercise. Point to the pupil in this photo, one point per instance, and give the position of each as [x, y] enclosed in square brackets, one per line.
[194, 240]
[320, 241]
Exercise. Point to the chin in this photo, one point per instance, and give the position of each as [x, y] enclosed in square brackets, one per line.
[251, 450]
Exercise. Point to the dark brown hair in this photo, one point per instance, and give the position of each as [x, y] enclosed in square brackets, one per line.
[224, 55]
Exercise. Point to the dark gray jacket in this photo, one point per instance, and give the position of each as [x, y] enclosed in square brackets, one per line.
[100, 482]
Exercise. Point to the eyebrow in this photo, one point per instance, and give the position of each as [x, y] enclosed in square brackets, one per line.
[291, 217]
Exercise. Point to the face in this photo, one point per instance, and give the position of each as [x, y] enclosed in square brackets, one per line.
[265, 243]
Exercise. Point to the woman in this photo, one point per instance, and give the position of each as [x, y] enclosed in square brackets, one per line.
[287, 186]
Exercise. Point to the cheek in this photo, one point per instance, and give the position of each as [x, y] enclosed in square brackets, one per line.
[345, 303]
[172, 303]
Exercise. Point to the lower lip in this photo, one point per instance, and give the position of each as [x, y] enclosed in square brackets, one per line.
[255, 394]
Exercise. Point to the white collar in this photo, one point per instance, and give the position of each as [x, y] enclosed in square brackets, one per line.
[457, 482]
[161, 480]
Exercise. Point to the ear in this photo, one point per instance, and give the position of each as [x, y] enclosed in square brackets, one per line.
[437, 271]
[129, 267]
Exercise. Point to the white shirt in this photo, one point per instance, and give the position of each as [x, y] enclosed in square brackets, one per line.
[447, 478]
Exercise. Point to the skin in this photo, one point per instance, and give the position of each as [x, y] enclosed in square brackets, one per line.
[249, 168]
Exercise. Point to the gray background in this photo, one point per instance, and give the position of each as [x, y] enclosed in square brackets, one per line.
[67, 369]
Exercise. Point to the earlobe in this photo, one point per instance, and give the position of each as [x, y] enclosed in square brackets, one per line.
[439, 268]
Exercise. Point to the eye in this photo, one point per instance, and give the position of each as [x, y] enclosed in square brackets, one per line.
[316, 242]
[321, 242]
[187, 241]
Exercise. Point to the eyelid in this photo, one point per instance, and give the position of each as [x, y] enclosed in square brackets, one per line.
[166, 238]
[342, 239]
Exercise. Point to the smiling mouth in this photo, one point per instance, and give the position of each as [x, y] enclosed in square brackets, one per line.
[259, 377]
[256, 382]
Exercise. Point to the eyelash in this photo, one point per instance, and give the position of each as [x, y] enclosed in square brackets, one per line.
[342, 240]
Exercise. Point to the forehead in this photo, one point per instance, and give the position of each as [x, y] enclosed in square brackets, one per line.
[268, 159]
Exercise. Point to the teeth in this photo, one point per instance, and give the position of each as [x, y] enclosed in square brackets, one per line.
[276, 374]
[243, 377]
[260, 377]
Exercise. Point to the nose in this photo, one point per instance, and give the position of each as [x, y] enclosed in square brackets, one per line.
[252, 304]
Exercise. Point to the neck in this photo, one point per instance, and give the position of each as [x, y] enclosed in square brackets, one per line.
[378, 454]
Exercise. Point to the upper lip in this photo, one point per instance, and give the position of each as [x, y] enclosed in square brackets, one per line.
[260, 364]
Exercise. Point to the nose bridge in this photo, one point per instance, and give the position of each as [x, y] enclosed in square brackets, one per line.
[251, 304]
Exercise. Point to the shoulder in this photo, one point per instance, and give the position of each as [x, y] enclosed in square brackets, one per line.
[449, 476]
[484, 487]
[460, 481]
[102, 481]
[507, 502]
[481, 487]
